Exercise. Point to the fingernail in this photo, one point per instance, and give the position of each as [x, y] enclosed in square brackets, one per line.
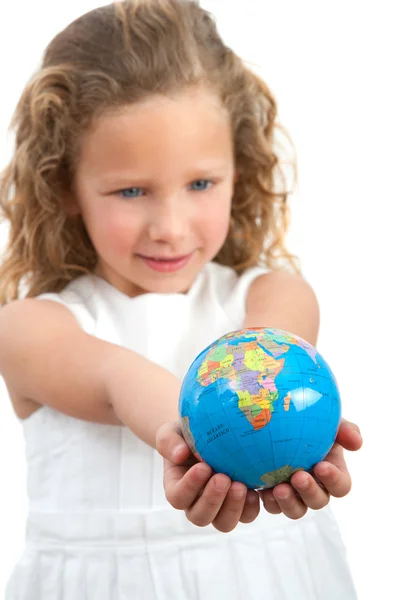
[323, 470]
[353, 426]
[238, 493]
[283, 495]
[303, 485]
[178, 451]
[222, 486]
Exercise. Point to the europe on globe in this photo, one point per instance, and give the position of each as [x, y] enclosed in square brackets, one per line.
[259, 404]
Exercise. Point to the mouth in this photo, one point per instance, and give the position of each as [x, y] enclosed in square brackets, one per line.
[164, 258]
[165, 264]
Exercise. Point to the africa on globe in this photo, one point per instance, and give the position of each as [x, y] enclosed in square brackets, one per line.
[259, 404]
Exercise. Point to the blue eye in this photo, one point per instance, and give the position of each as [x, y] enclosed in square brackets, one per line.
[122, 192]
[201, 181]
[129, 193]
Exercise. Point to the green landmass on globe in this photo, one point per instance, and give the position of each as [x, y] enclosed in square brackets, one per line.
[260, 404]
[279, 475]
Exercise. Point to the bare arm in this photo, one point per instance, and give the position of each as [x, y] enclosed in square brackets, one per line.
[46, 357]
[284, 301]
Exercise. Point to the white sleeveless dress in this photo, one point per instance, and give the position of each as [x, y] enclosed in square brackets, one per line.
[99, 526]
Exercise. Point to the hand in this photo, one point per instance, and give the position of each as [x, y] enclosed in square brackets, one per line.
[331, 478]
[193, 487]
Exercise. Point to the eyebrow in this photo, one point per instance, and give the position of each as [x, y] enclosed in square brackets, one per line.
[125, 177]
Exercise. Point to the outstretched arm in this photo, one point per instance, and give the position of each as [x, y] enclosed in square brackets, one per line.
[47, 358]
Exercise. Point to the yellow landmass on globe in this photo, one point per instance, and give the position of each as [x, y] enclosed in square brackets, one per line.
[257, 360]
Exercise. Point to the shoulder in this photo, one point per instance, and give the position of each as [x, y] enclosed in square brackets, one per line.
[27, 309]
[289, 284]
[284, 301]
[69, 303]
[20, 318]
[25, 325]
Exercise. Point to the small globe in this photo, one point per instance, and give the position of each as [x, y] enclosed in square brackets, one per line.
[259, 404]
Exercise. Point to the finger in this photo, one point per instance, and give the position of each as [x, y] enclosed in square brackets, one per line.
[232, 508]
[291, 505]
[336, 457]
[310, 492]
[337, 481]
[251, 507]
[349, 435]
[269, 502]
[205, 508]
[183, 485]
[171, 444]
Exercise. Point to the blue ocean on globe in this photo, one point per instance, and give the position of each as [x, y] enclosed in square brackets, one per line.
[259, 404]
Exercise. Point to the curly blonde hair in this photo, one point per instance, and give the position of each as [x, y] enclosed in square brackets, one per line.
[110, 57]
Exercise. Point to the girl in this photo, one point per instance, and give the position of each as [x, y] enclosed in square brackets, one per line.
[145, 222]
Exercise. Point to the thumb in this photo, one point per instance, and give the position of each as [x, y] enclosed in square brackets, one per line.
[349, 435]
[170, 443]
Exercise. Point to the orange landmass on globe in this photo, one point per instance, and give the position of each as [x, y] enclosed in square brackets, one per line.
[286, 402]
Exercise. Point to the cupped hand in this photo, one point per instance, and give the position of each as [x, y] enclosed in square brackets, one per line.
[206, 497]
[331, 478]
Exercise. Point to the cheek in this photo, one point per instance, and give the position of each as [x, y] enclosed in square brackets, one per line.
[120, 236]
[215, 223]
[113, 230]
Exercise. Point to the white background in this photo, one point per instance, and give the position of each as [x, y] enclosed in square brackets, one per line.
[334, 70]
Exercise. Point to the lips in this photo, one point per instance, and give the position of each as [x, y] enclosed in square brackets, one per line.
[166, 265]
[165, 258]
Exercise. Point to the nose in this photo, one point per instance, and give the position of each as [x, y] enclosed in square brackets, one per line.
[168, 222]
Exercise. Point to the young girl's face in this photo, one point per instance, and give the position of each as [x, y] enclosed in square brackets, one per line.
[155, 181]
